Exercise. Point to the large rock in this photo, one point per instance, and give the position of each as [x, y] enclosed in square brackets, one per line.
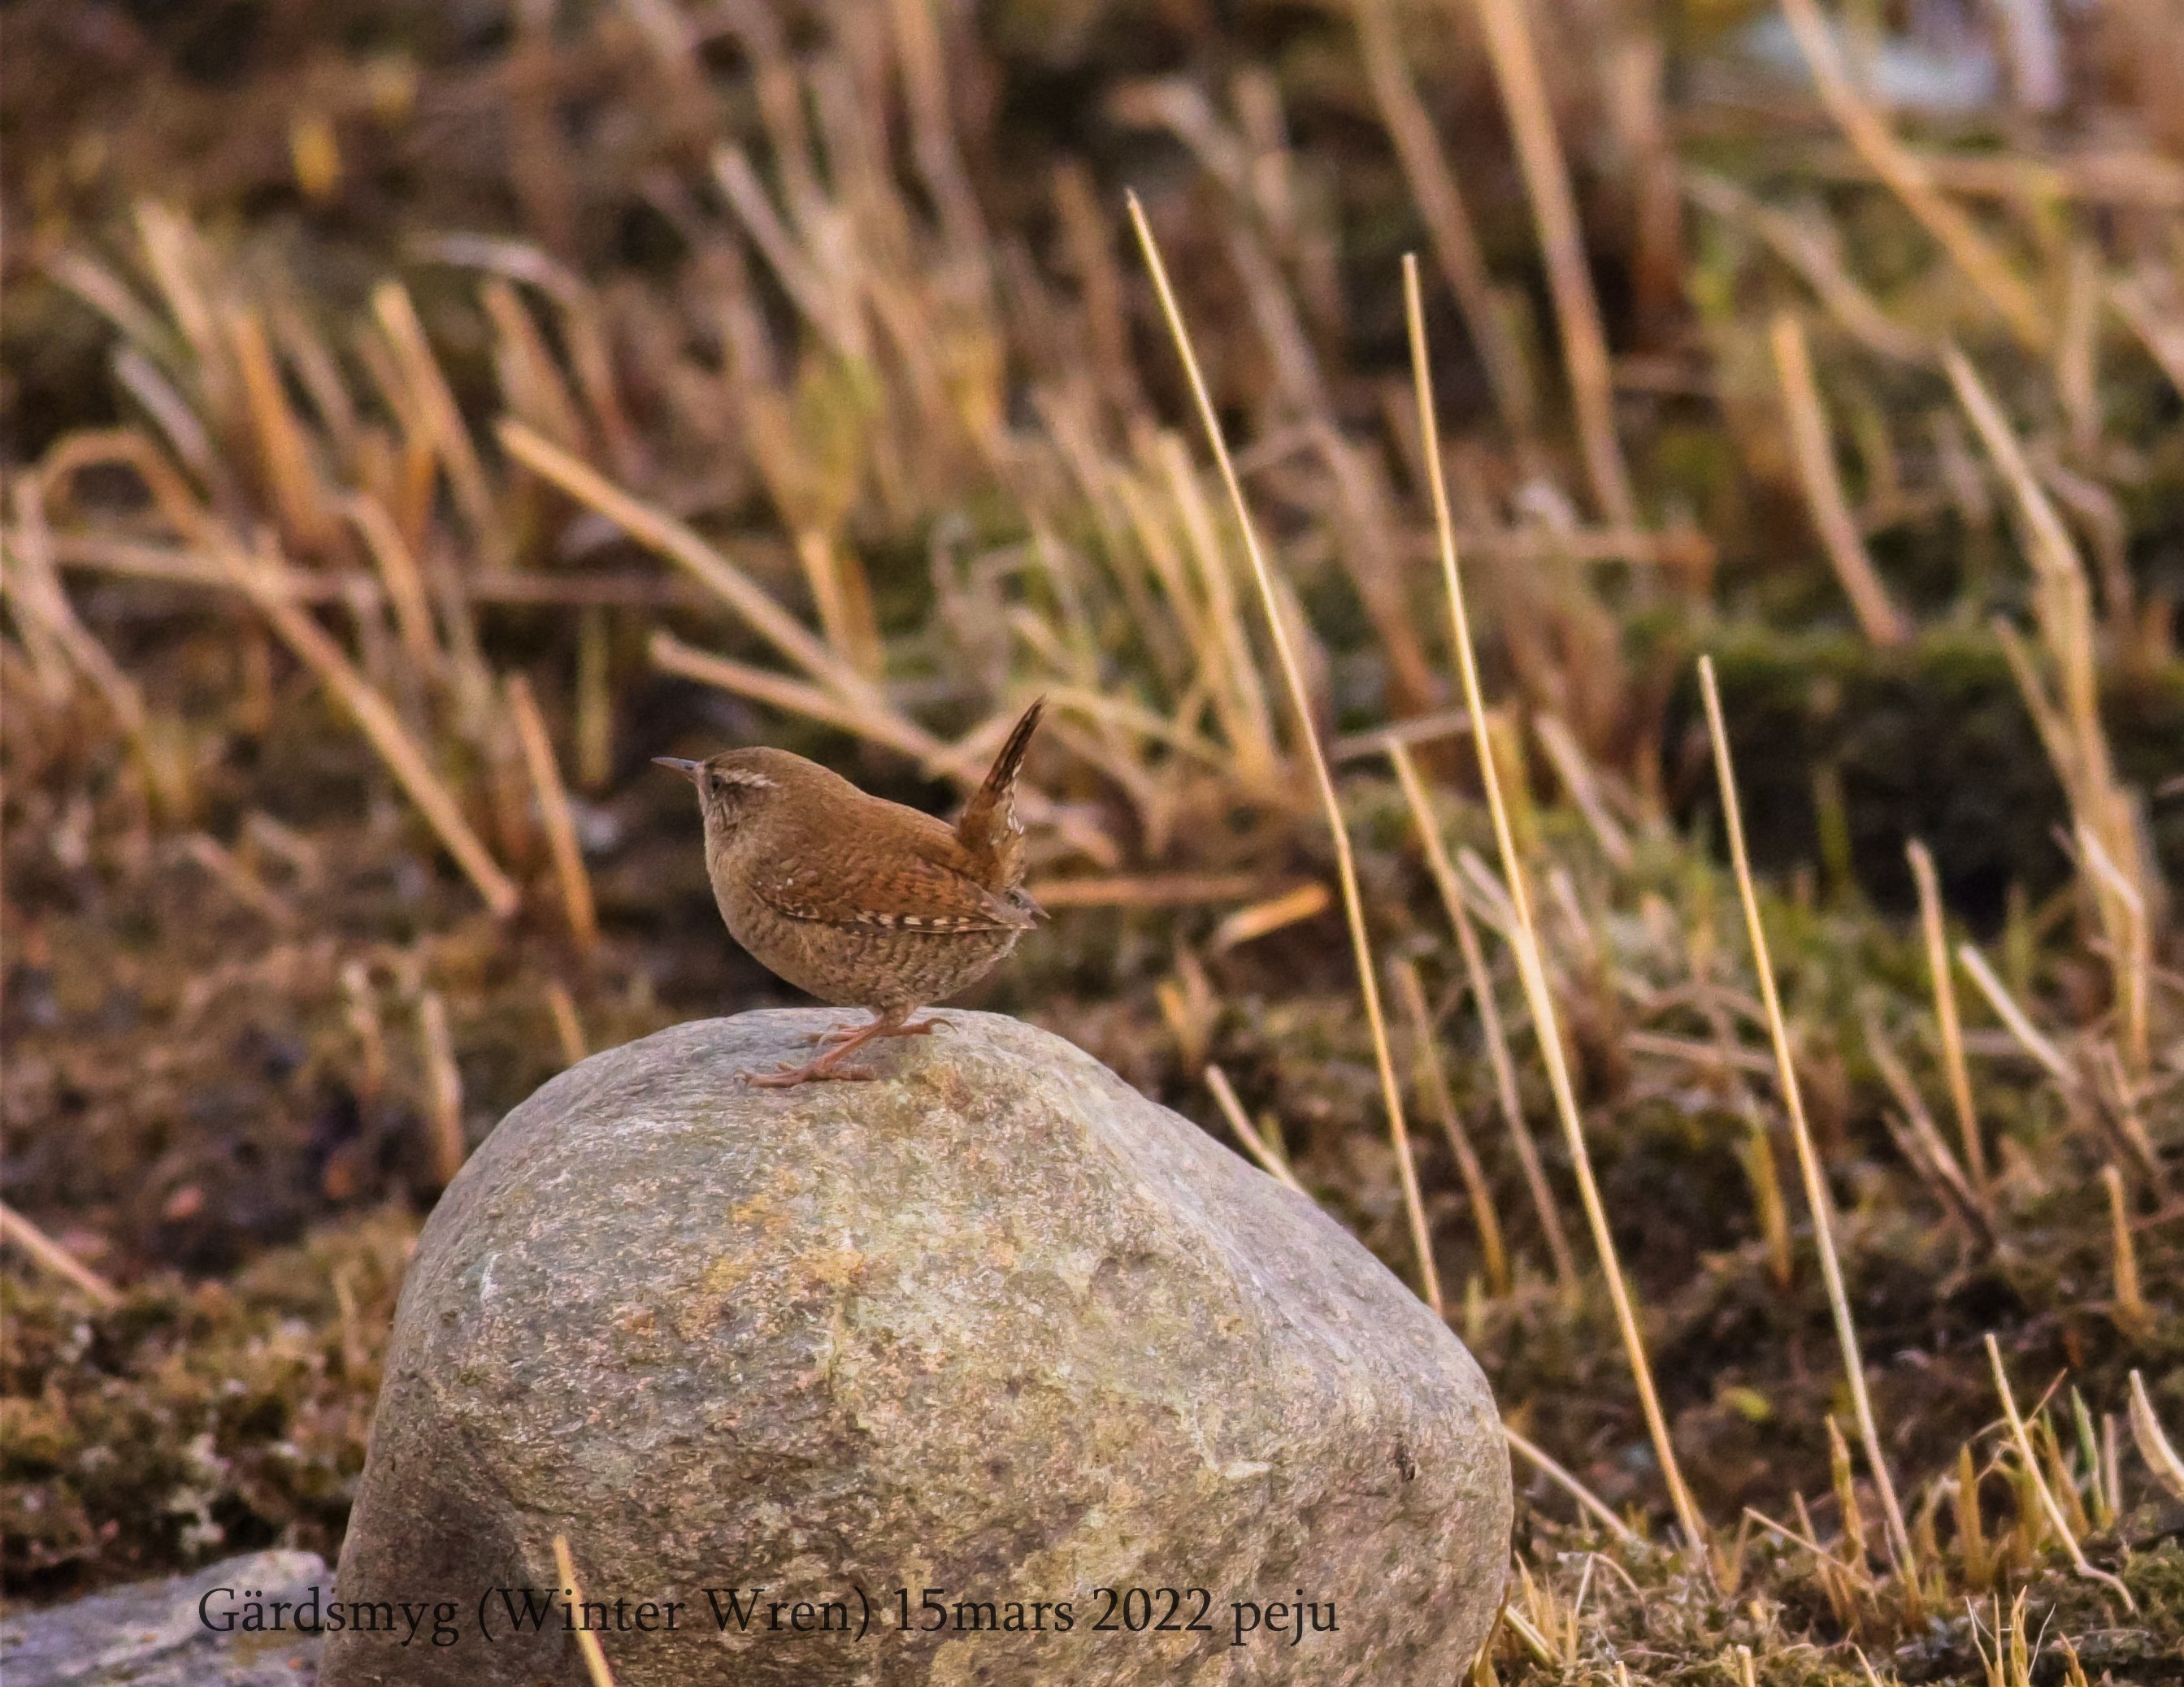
[994, 1332]
[235, 1623]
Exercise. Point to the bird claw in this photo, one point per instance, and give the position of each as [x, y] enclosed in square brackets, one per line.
[843, 1038]
[788, 1077]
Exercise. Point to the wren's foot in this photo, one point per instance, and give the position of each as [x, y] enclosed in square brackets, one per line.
[844, 1038]
[788, 1075]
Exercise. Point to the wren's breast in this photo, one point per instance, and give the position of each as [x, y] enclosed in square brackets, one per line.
[862, 966]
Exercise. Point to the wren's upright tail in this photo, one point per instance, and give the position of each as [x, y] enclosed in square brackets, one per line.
[989, 829]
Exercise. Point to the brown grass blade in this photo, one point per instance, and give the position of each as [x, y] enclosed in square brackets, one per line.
[1878, 617]
[1943, 976]
[1524, 939]
[1571, 1485]
[1489, 1017]
[1809, 1163]
[1562, 243]
[443, 1088]
[588, 1643]
[2048, 1504]
[1432, 1081]
[1248, 1133]
[317, 651]
[49, 1256]
[553, 811]
[2153, 1445]
[443, 422]
[1345, 864]
[1907, 175]
[1440, 201]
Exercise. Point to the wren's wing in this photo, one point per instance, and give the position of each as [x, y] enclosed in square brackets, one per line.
[882, 865]
[990, 832]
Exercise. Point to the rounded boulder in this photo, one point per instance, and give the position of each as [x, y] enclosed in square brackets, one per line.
[988, 1370]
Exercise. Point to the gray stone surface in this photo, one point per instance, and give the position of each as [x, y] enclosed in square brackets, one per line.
[994, 1324]
[154, 1633]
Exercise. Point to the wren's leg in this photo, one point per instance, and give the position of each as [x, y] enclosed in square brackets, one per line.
[837, 1033]
[893, 1022]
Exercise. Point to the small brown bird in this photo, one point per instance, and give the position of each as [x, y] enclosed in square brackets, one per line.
[857, 901]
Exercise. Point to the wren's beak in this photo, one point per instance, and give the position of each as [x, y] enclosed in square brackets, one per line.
[688, 770]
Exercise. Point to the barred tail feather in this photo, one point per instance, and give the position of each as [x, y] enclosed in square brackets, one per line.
[989, 829]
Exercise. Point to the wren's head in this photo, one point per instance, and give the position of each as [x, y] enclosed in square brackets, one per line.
[735, 785]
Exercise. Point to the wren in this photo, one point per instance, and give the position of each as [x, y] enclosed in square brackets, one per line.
[857, 901]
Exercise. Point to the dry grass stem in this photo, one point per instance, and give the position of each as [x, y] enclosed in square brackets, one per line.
[1306, 901]
[2134, 970]
[1857, 1573]
[1275, 1166]
[1524, 939]
[1815, 259]
[1561, 244]
[1924, 1147]
[443, 1086]
[1808, 1162]
[312, 646]
[1535, 1642]
[429, 396]
[1878, 617]
[2125, 890]
[2131, 1306]
[220, 862]
[48, 1255]
[1907, 175]
[35, 586]
[362, 1011]
[791, 696]
[404, 583]
[1442, 723]
[1943, 979]
[1583, 785]
[554, 811]
[1721, 1055]
[1241, 694]
[1433, 1080]
[2163, 336]
[2029, 1036]
[1353, 903]
[284, 455]
[1571, 1485]
[568, 1029]
[2048, 1505]
[1153, 890]
[588, 1643]
[602, 589]
[1447, 217]
[843, 598]
[1489, 1017]
[1971, 1537]
[681, 545]
[2153, 1445]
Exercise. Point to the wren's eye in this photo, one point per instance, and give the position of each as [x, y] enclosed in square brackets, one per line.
[727, 784]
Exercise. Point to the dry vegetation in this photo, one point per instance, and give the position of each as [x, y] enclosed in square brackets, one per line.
[417, 416]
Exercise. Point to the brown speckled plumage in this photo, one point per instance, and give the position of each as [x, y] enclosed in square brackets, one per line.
[860, 901]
